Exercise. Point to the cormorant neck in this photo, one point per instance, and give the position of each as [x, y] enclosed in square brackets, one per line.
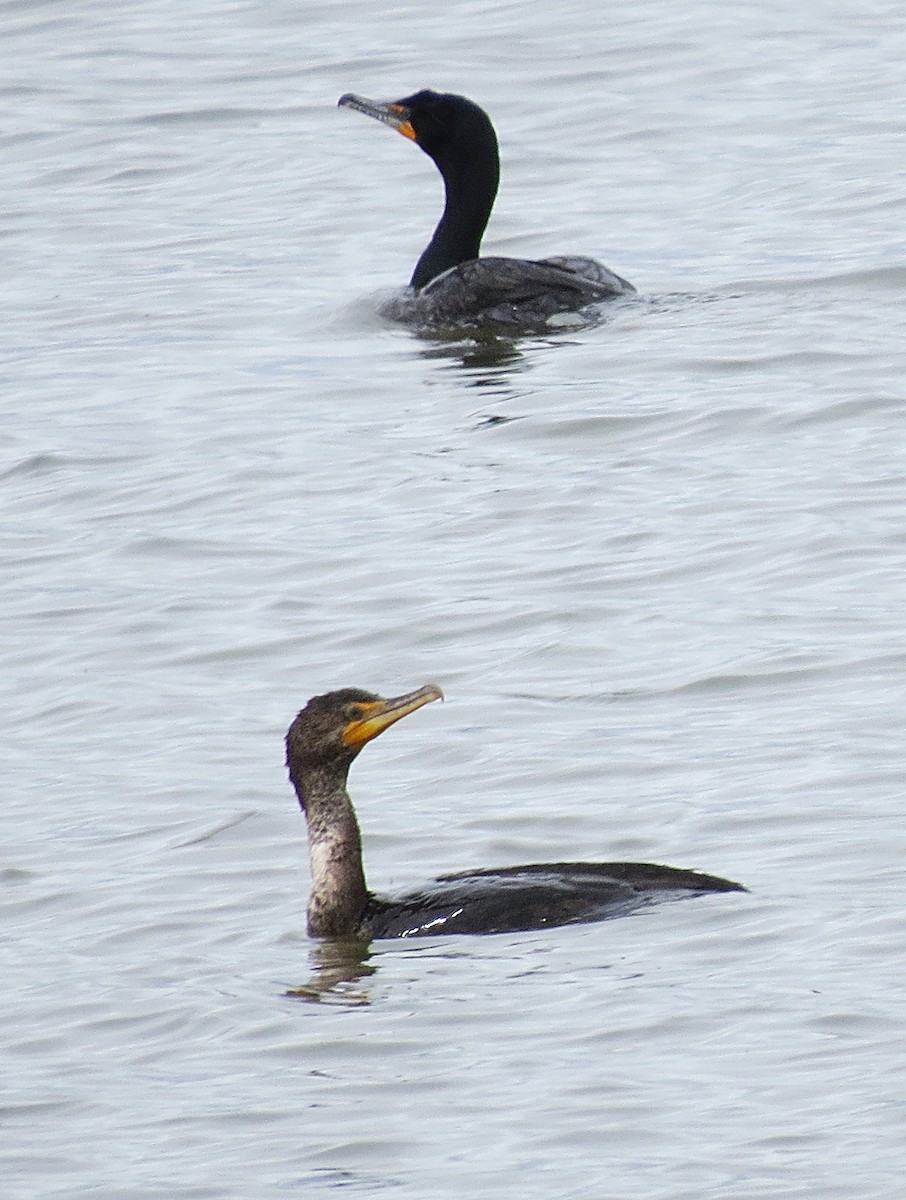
[338, 889]
[470, 188]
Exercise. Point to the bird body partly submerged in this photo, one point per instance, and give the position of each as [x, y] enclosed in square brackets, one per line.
[451, 284]
[508, 292]
[322, 743]
[534, 896]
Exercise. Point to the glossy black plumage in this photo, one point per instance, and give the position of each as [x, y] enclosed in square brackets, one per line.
[451, 284]
[536, 896]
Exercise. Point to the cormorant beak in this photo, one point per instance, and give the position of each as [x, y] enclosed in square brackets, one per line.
[378, 715]
[394, 115]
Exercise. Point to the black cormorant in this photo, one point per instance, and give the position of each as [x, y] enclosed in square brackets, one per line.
[451, 285]
[321, 744]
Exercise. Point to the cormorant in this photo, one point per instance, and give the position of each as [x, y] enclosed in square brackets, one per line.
[451, 285]
[321, 744]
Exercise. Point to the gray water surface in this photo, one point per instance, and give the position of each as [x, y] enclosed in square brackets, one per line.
[657, 566]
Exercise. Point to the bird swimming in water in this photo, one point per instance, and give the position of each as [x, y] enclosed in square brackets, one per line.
[321, 744]
[451, 285]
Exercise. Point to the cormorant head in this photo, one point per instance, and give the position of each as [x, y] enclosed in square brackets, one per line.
[331, 730]
[449, 128]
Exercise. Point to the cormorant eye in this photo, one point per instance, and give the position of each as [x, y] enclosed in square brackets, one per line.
[354, 713]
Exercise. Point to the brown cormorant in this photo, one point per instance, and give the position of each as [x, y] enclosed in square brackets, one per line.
[321, 744]
[451, 285]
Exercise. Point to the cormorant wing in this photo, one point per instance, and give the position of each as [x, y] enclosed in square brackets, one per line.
[515, 291]
[537, 896]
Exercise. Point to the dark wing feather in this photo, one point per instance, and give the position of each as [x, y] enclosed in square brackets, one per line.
[535, 896]
[509, 291]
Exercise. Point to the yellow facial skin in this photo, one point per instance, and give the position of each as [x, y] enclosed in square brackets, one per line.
[378, 715]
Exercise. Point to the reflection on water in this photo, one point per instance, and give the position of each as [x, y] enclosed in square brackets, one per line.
[336, 966]
[483, 351]
[487, 347]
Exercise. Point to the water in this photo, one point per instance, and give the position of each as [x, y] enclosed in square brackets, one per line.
[657, 567]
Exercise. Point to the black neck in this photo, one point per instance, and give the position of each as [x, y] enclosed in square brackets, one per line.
[470, 191]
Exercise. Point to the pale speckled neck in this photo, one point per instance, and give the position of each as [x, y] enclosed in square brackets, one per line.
[338, 889]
